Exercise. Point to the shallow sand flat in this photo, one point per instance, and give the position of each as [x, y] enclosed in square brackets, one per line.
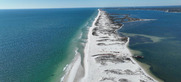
[107, 58]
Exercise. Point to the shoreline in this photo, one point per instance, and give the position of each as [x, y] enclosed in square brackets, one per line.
[146, 68]
[87, 44]
[75, 64]
[106, 56]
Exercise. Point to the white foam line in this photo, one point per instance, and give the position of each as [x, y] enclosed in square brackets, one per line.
[71, 70]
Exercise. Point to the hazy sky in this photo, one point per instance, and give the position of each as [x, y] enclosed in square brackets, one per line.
[13, 4]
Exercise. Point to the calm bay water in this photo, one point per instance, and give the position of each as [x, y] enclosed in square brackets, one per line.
[157, 40]
[34, 43]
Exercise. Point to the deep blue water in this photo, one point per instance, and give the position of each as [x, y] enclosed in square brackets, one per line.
[36, 42]
[163, 56]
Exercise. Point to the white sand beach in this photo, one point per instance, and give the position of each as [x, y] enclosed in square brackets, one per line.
[107, 57]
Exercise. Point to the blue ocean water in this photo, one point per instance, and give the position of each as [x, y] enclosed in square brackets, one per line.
[34, 43]
[157, 40]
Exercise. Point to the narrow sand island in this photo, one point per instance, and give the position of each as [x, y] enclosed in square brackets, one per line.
[106, 57]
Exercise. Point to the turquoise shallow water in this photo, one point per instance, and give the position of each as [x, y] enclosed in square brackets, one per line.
[35, 43]
[158, 41]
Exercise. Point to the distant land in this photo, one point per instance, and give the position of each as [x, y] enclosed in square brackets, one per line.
[160, 8]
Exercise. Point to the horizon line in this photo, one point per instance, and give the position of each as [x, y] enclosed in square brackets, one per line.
[89, 7]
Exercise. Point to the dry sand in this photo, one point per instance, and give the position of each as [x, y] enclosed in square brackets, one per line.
[107, 57]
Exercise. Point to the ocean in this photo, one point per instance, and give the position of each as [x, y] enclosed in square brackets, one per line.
[37, 44]
[158, 40]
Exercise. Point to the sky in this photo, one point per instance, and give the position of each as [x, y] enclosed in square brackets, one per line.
[24, 4]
